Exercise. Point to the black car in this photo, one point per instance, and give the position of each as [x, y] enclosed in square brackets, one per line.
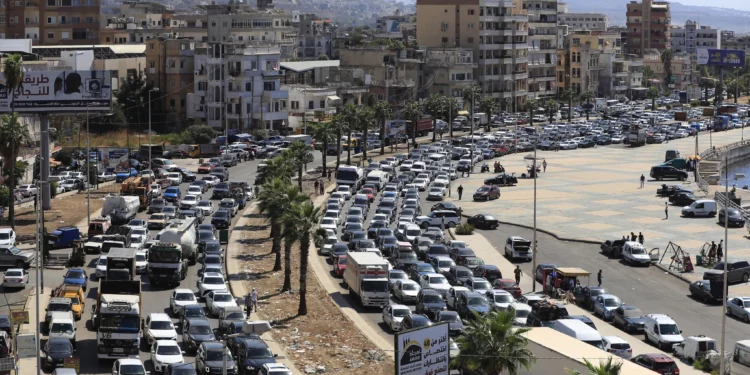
[191, 312]
[179, 369]
[5, 324]
[56, 350]
[211, 359]
[701, 290]
[187, 176]
[488, 272]
[415, 321]
[435, 250]
[429, 302]
[661, 172]
[203, 237]
[735, 218]
[483, 221]
[221, 190]
[503, 179]
[586, 143]
[445, 206]
[372, 230]
[221, 219]
[683, 198]
[251, 353]
[458, 275]
[339, 248]
[669, 190]
[629, 319]
[196, 331]
[455, 325]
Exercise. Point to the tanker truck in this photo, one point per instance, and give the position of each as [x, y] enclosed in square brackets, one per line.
[182, 232]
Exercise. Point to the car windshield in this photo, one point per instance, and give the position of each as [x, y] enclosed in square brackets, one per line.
[258, 353]
[60, 347]
[161, 325]
[507, 284]
[169, 350]
[438, 280]
[409, 286]
[432, 298]
[216, 355]
[483, 190]
[477, 301]
[213, 280]
[184, 297]
[612, 302]
[522, 313]
[400, 313]
[120, 323]
[74, 274]
[637, 250]
[200, 330]
[61, 328]
[398, 276]
[413, 232]
[223, 297]
[132, 370]
[668, 329]
[632, 313]
[596, 292]
[449, 318]
[483, 285]
[445, 263]
[196, 312]
[503, 298]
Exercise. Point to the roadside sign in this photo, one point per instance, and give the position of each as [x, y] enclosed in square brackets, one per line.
[26, 345]
[721, 57]
[73, 362]
[19, 317]
[422, 351]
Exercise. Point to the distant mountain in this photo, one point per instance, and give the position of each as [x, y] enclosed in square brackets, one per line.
[721, 18]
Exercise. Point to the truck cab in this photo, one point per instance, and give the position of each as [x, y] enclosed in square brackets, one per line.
[166, 264]
[63, 325]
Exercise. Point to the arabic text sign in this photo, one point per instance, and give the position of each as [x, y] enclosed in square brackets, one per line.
[721, 57]
[26, 345]
[72, 362]
[59, 91]
[19, 317]
[396, 128]
[423, 351]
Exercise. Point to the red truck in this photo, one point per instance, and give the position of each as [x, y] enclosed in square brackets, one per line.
[424, 127]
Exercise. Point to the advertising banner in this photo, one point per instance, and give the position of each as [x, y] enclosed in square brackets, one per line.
[116, 158]
[26, 345]
[422, 351]
[59, 91]
[19, 317]
[721, 57]
[395, 128]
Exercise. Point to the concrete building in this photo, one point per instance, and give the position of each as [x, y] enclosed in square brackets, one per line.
[620, 76]
[682, 72]
[737, 43]
[583, 21]
[449, 71]
[237, 86]
[391, 75]
[193, 26]
[308, 103]
[580, 61]
[648, 24]
[51, 22]
[170, 68]
[496, 30]
[694, 36]
[314, 37]
[136, 22]
[397, 26]
[542, 47]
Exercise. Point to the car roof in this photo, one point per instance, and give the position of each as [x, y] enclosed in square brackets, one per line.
[399, 306]
[130, 361]
[429, 291]
[499, 291]
[658, 357]
[213, 274]
[198, 321]
[608, 296]
[473, 294]
[160, 317]
[184, 290]
[213, 345]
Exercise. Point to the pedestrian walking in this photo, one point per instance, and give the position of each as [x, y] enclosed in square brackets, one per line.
[316, 186]
[248, 303]
[544, 165]
[36, 204]
[712, 250]
[666, 210]
[632, 236]
[640, 237]
[257, 190]
[460, 191]
[322, 188]
[643, 180]
[719, 251]
[329, 175]
[518, 274]
[599, 277]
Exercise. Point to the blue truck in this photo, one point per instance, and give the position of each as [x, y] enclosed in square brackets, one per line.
[721, 123]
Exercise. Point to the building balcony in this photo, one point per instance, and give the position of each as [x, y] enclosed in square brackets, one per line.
[489, 61]
[547, 78]
[489, 46]
[636, 75]
[489, 77]
[620, 73]
[620, 87]
[513, 18]
[271, 116]
[490, 32]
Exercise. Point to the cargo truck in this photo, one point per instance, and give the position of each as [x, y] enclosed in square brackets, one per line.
[121, 264]
[121, 209]
[636, 136]
[115, 237]
[204, 150]
[182, 232]
[138, 187]
[721, 123]
[117, 319]
[166, 264]
[365, 276]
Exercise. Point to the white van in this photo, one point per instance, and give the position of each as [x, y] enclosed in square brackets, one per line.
[703, 207]
[63, 325]
[378, 178]
[579, 330]
[661, 330]
[437, 158]
[635, 253]
[742, 352]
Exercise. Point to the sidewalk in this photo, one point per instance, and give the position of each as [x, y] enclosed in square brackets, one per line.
[485, 250]
[28, 366]
[239, 291]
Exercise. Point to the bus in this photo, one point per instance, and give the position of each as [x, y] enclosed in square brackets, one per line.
[350, 175]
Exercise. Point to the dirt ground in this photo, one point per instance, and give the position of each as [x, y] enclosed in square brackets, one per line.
[324, 337]
[66, 211]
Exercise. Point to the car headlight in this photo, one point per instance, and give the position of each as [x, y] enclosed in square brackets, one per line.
[251, 368]
[50, 359]
[207, 370]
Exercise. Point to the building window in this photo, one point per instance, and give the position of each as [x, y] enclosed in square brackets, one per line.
[152, 64]
[471, 12]
[269, 86]
[310, 105]
[295, 104]
[151, 46]
[248, 86]
[470, 25]
[50, 35]
[471, 40]
[171, 64]
[380, 96]
[51, 3]
[130, 72]
[51, 20]
[445, 40]
[322, 104]
[65, 35]
[182, 64]
[171, 84]
[171, 102]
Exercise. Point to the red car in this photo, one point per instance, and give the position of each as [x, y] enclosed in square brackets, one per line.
[370, 193]
[658, 363]
[206, 168]
[509, 286]
[339, 265]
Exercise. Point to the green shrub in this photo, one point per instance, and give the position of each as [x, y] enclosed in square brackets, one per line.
[53, 189]
[702, 364]
[4, 196]
[669, 106]
[464, 229]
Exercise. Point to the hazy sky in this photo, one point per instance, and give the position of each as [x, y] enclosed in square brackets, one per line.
[736, 4]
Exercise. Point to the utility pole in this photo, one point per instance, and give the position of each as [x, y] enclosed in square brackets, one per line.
[88, 166]
[155, 89]
[44, 163]
[726, 256]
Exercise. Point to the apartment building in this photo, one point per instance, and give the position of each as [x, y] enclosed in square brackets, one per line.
[393, 76]
[580, 61]
[583, 21]
[682, 72]
[620, 76]
[193, 26]
[737, 43]
[694, 36]
[170, 68]
[449, 71]
[648, 24]
[51, 22]
[237, 86]
[136, 22]
[397, 26]
[120, 60]
[314, 37]
[497, 32]
[542, 55]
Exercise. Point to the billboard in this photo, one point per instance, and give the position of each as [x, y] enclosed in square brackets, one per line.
[721, 57]
[59, 91]
[422, 351]
[395, 128]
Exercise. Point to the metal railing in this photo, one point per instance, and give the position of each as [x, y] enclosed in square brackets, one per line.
[721, 198]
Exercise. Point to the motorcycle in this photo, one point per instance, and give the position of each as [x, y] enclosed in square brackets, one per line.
[485, 168]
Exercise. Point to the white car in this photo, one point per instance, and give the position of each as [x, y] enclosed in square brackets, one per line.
[421, 183]
[181, 298]
[332, 215]
[436, 193]
[442, 178]
[7, 237]
[328, 223]
[393, 315]
[128, 366]
[338, 196]
[106, 176]
[158, 326]
[175, 178]
[137, 241]
[209, 282]
[164, 353]
[218, 300]
[101, 267]
[345, 190]
[211, 181]
[406, 291]
[15, 278]
[617, 346]
[93, 245]
[188, 201]
[195, 190]
[141, 261]
[155, 190]
[499, 299]
[141, 231]
[148, 173]
[522, 311]
[739, 307]
[435, 281]
[442, 263]
[206, 207]
[69, 184]
[568, 145]
[478, 284]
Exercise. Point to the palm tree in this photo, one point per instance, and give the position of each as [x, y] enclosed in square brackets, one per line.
[489, 106]
[303, 219]
[471, 94]
[324, 133]
[383, 112]
[491, 345]
[569, 95]
[586, 97]
[706, 84]
[648, 75]
[452, 108]
[666, 60]
[653, 94]
[271, 202]
[340, 126]
[13, 70]
[529, 106]
[609, 367]
[299, 154]
[434, 107]
[278, 167]
[550, 107]
[351, 118]
[293, 196]
[413, 112]
[365, 118]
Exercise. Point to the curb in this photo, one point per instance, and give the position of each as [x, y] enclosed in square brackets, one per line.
[673, 273]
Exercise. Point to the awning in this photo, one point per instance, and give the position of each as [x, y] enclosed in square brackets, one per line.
[571, 271]
[333, 98]
[463, 113]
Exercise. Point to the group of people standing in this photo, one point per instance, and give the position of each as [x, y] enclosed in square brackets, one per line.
[716, 251]
[634, 238]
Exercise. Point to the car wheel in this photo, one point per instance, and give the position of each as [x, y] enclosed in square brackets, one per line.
[745, 277]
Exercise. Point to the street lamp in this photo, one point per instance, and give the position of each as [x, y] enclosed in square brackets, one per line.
[726, 257]
[155, 89]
